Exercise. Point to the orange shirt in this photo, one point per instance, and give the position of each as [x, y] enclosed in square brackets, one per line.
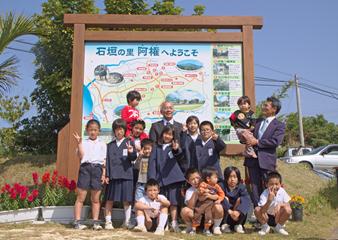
[215, 189]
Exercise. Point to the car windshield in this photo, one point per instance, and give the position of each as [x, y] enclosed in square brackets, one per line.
[314, 151]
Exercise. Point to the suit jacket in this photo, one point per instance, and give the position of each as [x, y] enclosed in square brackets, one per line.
[267, 145]
[164, 165]
[188, 147]
[157, 127]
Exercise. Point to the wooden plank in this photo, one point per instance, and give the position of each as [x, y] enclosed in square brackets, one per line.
[163, 21]
[248, 64]
[76, 98]
[234, 149]
[62, 151]
[157, 36]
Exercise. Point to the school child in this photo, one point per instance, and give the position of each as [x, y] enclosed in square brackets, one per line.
[92, 153]
[236, 203]
[208, 149]
[120, 155]
[188, 139]
[164, 167]
[137, 133]
[243, 121]
[141, 165]
[209, 193]
[273, 206]
[129, 113]
[152, 209]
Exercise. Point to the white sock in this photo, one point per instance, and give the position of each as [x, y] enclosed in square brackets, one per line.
[174, 223]
[140, 220]
[127, 213]
[217, 222]
[108, 218]
[279, 226]
[163, 220]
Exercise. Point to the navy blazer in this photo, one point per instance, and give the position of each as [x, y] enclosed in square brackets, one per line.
[164, 165]
[267, 145]
[208, 155]
[239, 192]
[189, 149]
[120, 166]
[157, 127]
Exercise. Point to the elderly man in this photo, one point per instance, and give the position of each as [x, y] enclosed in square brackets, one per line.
[167, 111]
[269, 134]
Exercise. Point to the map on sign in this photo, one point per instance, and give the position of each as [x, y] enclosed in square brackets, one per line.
[200, 79]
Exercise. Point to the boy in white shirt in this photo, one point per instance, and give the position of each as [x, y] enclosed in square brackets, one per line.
[152, 209]
[273, 207]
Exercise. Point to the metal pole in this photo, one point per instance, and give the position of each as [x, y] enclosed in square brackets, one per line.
[300, 116]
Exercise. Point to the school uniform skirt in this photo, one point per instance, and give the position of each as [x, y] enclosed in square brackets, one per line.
[173, 193]
[119, 190]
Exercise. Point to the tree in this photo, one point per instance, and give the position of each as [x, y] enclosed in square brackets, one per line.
[11, 27]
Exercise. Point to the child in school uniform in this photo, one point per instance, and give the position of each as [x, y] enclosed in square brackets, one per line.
[188, 139]
[92, 153]
[152, 209]
[120, 155]
[208, 149]
[273, 206]
[236, 203]
[193, 178]
[164, 167]
[243, 121]
[129, 113]
[141, 165]
[209, 193]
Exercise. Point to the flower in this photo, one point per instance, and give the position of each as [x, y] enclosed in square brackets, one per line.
[35, 193]
[30, 198]
[297, 201]
[23, 195]
[72, 185]
[35, 178]
[13, 195]
[46, 177]
[65, 183]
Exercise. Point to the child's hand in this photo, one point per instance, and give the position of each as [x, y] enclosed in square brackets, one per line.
[226, 198]
[141, 152]
[77, 137]
[106, 180]
[214, 136]
[218, 201]
[271, 194]
[175, 145]
[184, 128]
[129, 147]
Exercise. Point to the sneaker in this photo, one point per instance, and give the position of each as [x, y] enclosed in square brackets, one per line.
[257, 226]
[108, 226]
[265, 229]
[79, 226]
[239, 229]
[175, 228]
[225, 228]
[207, 233]
[127, 226]
[280, 229]
[217, 230]
[140, 229]
[97, 227]
[192, 232]
[252, 218]
[187, 230]
[159, 232]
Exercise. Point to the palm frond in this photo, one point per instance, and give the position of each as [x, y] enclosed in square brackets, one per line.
[12, 26]
[8, 74]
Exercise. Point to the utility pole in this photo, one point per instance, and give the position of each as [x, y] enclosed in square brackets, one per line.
[300, 116]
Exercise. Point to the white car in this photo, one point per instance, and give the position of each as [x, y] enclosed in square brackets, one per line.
[324, 157]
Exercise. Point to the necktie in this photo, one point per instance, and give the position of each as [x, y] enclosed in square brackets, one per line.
[262, 128]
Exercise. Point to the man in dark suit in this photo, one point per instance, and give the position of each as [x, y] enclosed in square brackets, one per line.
[167, 111]
[269, 134]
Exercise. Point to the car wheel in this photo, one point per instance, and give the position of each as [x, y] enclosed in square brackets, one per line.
[307, 164]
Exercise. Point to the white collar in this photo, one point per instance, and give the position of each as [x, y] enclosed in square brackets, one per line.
[118, 142]
[203, 143]
[165, 121]
[93, 141]
[269, 119]
[194, 137]
[164, 146]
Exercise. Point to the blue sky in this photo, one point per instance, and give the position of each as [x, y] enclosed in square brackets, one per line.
[298, 37]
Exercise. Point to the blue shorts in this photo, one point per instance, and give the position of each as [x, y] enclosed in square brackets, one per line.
[139, 191]
[90, 176]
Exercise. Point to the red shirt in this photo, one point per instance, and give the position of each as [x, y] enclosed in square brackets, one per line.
[129, 114]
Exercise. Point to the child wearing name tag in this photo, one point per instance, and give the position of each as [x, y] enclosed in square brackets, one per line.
[119, 175]
[164, 167]
[208, 148]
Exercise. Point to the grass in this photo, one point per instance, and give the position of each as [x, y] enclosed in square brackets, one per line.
[320, 212]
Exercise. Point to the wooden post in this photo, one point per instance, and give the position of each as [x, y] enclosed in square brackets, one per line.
[76, 99]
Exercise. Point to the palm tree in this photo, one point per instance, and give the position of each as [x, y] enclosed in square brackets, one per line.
[11, 27]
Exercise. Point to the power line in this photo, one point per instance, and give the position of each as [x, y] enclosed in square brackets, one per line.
[320, 84]
[19, 50]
